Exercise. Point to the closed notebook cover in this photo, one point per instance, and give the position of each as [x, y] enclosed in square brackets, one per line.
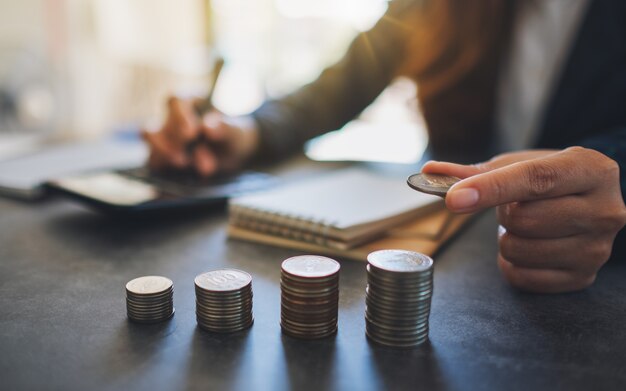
[341, 210]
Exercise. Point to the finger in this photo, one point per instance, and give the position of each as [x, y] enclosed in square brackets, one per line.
[544, 280]
[552, 217]
[205, 161]
[162, 155]
[563, 173]
[181, 124]
[452, 169]
[579, 253]
[464, 171]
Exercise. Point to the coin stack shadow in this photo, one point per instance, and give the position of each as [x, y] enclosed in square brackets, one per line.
[309, 296]
[224, 300]
[150, 299]
[398, 297]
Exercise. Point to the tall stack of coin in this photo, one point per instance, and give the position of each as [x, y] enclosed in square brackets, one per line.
[150, 299]
[224, 300]
[309, 302]
[398, 296]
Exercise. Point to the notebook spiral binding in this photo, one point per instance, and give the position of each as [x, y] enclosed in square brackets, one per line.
[297, 227]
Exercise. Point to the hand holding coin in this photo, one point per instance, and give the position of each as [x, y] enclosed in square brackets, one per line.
[560, 211]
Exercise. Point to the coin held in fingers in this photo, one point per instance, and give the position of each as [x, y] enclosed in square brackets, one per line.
[432, 183]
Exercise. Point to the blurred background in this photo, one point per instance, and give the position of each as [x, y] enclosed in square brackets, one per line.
[84, 68]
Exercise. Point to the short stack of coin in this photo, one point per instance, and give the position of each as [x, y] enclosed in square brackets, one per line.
[150, 299]
[398, 296]
[224, 300]
[309, 296]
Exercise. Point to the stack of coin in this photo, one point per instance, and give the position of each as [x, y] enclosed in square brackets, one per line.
[150, 299]
[224, 300]
[398, 296]
[309, 296]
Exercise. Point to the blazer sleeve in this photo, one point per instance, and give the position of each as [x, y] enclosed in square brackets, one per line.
[341, 91]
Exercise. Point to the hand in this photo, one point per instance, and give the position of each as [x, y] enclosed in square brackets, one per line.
[229, 141]
[559, 213]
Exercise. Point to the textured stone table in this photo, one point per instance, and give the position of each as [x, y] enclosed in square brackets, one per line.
[63, 323]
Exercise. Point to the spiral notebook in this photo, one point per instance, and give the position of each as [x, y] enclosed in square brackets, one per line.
[339, 213]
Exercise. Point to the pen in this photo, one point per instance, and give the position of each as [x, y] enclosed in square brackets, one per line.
[206, 104]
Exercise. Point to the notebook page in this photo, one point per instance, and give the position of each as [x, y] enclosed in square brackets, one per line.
[342, 199]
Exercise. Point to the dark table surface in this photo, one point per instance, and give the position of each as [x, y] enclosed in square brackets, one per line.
[63, 322]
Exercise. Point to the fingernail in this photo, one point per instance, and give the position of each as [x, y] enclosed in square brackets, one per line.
[462, 198]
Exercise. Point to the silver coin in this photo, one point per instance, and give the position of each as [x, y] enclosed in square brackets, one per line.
[396, 332]
[313, 282]
[303, 294]
[400, 261]
[313, 301]
[308, 335]
[395, 337]
[432, 183]
[398, 327]
[150, 299]
[310, 266]
[149, 285]
[400, 322]
[398, 299]
[162, 315]
[224, 303]
[226, 330]
[327, 313]
[309, 288]
[309, 320]
[230, 293]
[226, 297]
[377, 313]
[233, 313]
[224, 310]
[151, 319]
[307, 325]
[394, 343]
[164, 292]
[223, 280]
[148, 302]
[395, 313]
[149, 309]
[405, 289]
[310, 311]
[398, 278]
[224, 324]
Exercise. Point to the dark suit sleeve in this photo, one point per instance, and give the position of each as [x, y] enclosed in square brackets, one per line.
[340, 93]
[613, 145]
